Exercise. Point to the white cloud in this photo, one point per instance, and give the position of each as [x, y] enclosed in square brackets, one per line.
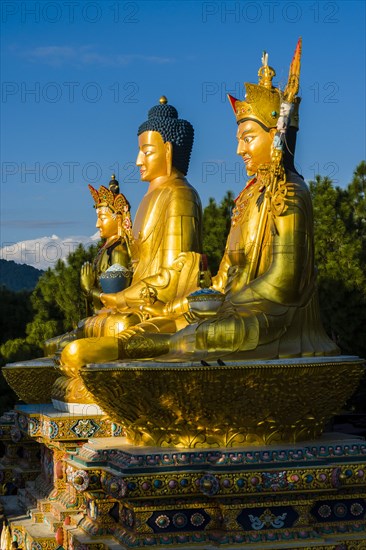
[57, 56]
[44, 252]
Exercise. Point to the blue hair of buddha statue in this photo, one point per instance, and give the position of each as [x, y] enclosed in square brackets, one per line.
[163, 118]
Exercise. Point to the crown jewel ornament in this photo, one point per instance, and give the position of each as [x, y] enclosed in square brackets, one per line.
[262, 101]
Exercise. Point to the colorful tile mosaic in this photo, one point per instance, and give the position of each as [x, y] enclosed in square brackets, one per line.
[44, 422]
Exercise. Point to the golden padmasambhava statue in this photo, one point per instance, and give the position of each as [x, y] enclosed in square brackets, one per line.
[165, 252]
[269, 309]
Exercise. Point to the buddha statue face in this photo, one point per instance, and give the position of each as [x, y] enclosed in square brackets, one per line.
[107, 222]
[254, 145]
[154, 157]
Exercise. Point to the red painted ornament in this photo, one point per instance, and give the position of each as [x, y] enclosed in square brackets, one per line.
[59, 536]
[59, 469]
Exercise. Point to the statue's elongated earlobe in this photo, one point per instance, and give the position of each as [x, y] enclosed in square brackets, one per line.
[169, 157]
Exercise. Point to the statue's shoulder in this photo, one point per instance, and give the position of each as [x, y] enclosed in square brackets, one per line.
[297, 184]
[179, 183]
[180, 188]
[298, 198]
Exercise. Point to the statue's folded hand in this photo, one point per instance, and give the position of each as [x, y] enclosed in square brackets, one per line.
[203, 304]
[109, 300]
[153, 310]
[227, 310]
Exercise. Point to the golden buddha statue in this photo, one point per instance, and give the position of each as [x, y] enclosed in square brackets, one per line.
[264, 298]
[165, 252]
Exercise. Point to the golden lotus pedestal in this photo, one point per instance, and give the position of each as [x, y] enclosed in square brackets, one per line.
[32, 380]
[232, 405]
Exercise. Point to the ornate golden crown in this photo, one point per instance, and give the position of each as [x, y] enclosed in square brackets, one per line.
[262, 101]
[118, 204]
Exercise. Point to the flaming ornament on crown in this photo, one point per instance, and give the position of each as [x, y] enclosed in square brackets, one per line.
[263, 102]
[117, 204]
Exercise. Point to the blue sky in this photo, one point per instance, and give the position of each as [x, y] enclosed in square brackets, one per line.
[78, 78]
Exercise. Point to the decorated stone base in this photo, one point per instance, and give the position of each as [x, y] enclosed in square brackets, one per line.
[101, 485]
[287, 496]
[107, 494]
[19, 460]
[46, 422]
[42, 506]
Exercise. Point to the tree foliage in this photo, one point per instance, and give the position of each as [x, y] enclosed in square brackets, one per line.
[340, 257]
[16, 312]
[57, 299]
[216, 226]
[57, 303]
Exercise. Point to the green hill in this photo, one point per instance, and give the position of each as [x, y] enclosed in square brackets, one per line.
[18, 276]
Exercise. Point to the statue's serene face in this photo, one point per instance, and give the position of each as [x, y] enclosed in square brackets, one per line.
[254, 145]
[107, 223]
[152, 157]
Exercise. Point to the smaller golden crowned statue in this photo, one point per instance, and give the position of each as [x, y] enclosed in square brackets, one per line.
[115, 227]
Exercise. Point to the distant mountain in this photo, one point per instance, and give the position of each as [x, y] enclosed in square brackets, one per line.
[18, 277]
[44, 252]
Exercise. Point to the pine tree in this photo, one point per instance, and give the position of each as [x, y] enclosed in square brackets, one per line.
[353, 205]
[216, 226]
[58, 305]
[58, 300]
[340, 261]
[16, 312]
